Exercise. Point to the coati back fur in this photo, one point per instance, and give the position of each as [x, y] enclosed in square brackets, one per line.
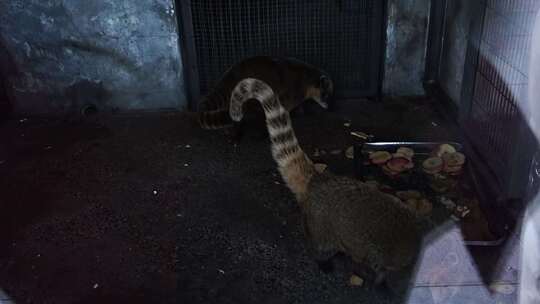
[293, 81]
[340, 214]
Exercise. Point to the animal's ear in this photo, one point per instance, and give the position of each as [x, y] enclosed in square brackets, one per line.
[325, 83]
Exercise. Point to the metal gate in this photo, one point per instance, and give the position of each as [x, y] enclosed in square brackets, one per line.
[345, 38]
[495, 91]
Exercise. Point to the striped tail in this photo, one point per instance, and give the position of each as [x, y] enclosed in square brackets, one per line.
[295, 167]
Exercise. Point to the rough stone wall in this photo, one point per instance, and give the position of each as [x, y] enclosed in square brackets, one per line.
[119, 54]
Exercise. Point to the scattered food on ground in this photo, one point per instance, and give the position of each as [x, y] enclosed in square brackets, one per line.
[356, 281]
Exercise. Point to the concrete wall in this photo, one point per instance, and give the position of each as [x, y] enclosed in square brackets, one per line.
[125, 54]
[406, 47]
[113, 53]
[456, 35]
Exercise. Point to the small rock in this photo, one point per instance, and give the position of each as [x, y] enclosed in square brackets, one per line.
[277, 183]
[347, 124]
[356, 281]
[155, 192]
[96, 286]
[188, 146]
[186, 165]
[336, 152]
[221, 271]
[350, 153]
[48, 147]
[434, 124]
[23, 120]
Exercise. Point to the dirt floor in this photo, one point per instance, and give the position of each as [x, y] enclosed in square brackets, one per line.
[148, 208]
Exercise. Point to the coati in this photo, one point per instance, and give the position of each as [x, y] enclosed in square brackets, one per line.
[294, 82]
[340, 214]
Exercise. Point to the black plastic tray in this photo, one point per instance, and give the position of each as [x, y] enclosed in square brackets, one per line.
[420, 149]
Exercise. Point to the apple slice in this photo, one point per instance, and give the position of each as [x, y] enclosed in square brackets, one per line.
[454, 159]
[444, 149]
[399, 164]
[408, 152]
[433, 165]
[380, 157]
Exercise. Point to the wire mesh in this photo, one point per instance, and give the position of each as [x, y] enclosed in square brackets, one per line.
[337, 38]
[501, 82]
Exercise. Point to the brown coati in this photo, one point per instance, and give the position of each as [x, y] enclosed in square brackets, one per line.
[340, 214]
[293, 80]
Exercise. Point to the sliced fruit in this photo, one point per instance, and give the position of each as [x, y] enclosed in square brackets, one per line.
[406, 151]
[398, 164]
[452, 169]
[444, 149]
[409, 166]
[380, 157]
[454, 159]
[433, 165]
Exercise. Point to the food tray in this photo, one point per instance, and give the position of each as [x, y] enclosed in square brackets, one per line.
[414, 179]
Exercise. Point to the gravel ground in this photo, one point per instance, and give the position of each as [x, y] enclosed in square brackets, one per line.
[148, 208]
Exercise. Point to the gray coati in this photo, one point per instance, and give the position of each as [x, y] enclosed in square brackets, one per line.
[293, 81]
[340, 214]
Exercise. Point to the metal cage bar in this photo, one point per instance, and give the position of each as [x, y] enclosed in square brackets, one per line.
[495, 86]
[345, 40]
